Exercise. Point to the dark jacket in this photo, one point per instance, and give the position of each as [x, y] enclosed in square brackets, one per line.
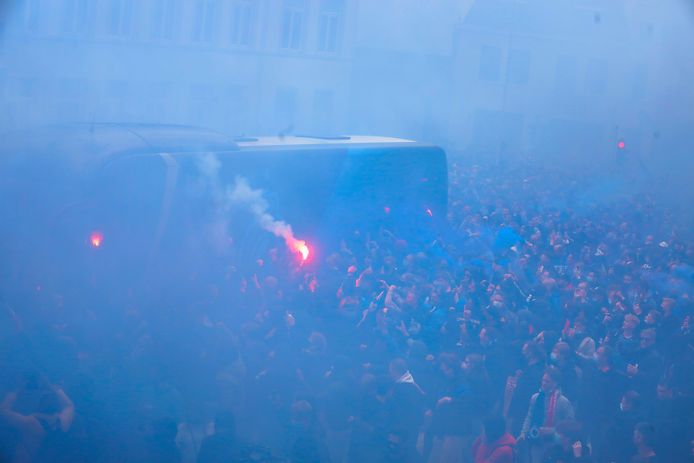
[499, 451]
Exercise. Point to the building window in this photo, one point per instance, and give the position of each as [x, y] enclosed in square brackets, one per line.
[205, 27]
[328, 32]
[165, 13]
[292, 28]
[29, 15]
[518, 67]
[121, 17]
[76, 16]
[490, 63]
[330, 25]
[242, 22]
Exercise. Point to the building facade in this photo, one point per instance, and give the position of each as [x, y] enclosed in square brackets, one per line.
[242, 66]
[500, 78]
[566, 78]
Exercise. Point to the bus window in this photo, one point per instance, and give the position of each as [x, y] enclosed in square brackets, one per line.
[127, 200]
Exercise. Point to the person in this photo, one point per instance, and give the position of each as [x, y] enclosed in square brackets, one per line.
[617, 442]
[571, 446]
[526, 381]
[547, 408]
[671, 415]
[603, 388]
[648, 366]
[644, 434]
[221, 446]
[562, 357]
[495, 445]
[368, 433]
[307, 441]
[627, 344]
[404, 405]
[474, 393]
[41, 414]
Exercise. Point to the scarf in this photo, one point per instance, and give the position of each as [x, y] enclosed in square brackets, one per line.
[542, 417]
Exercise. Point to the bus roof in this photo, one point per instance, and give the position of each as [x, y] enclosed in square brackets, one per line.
[81, 147]
[105, 139]
[313, 140]
[102, 140]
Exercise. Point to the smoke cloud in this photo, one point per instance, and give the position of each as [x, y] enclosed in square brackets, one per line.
[242, 194]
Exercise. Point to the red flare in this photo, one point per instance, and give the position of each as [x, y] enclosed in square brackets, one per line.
[96, 238]
[301, 247]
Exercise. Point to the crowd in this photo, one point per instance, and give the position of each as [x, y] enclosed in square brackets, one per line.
[542, 324]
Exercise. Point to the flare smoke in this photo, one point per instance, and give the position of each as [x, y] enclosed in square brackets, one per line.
[242, 193]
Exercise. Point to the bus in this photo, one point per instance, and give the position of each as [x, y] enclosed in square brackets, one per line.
[107, 201]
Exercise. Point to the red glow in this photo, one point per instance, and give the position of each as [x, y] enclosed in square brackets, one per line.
[429, 213]
[301, 247]
[96, 238]
[386, 209]
[621, 144]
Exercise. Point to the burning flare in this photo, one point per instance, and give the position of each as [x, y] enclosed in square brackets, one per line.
[96, 238]
[299, 246]
[241, 192]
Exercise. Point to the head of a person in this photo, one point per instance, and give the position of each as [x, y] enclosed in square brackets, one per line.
[473, 365]
[418, 350]
[586, 349]
[647, 338]
[631, 322]
[579, 327]
[667, 304]
[317, 342]
[488, 336]
[664, 391]
[225, 423]
[302, 414]
[494, 428]
[604, 356]
[396, 446]
[533, 352]
[547, 339]
[496, 302]
[550, 380]
[397, 368]
[448, 364]
[644, 434]
[561, 353]
[653, 317]
[631, 401]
